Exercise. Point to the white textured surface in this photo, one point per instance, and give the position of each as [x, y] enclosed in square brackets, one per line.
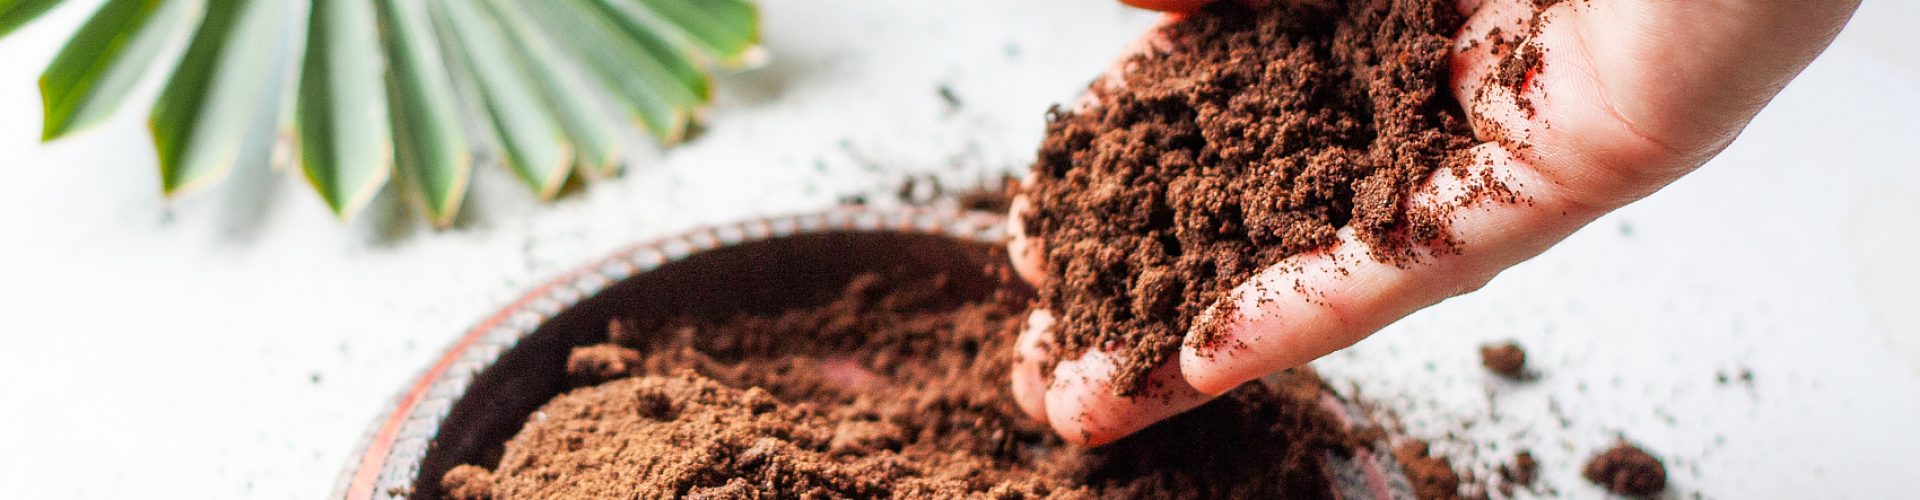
[236, 343]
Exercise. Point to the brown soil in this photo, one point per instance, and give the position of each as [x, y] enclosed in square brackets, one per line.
[1628, 470]
[1432, 476]
[894, 389]
[1506, 359]
[1520, 473]
[1253, 135]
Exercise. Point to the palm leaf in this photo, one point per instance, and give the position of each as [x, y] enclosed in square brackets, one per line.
[638, 26]
[536, 148]
[430, 147]
[103, 62]
[341, 112]
[200, 119]
[644, 86]
[373, 84]
[573, 97]
[726, 30]
[17, 13]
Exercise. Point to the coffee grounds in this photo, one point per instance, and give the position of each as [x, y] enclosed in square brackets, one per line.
[1520, 473]
[991, 196]
[1432, 476]
[1506, 359]
[894, 389]
[1255, 133]
[1628, 470]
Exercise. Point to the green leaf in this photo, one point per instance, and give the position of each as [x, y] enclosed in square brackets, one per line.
[430, 147]
[644, 86]
[640, 26]
[727, 30]
[596, 136]
[17, 13]
[106, 59]
[202, 115]
[340, 117]
[536, 148]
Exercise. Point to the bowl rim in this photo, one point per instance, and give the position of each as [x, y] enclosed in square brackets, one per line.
[387, 459]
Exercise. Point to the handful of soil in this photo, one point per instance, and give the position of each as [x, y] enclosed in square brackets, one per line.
[1255, 133]
[895, 388]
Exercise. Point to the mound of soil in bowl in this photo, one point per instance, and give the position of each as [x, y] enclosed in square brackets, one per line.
[895, 388]
[1251, 134]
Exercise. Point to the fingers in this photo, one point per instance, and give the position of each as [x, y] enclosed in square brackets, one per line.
[1029, 355]
[1029, 255]
[1499, 210]
[1078, 401]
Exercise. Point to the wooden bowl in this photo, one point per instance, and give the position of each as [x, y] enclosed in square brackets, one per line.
[477, 394]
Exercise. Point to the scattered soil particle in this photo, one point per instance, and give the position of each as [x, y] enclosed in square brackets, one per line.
[920, 190]
[1252, 134]
[1628, 470]
[895, 388]
[1516, 72]
[1432, 476]
[1506, 359]
[992, 194]
[990, 197]
[1520, 473]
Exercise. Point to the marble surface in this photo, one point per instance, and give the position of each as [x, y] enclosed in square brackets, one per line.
[234, 344]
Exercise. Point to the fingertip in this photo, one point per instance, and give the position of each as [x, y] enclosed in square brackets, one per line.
[1282, 317]
[1217, 356]
[1028, 255]
[1078, 402]
[1030, 353]
[1210, 345]
[1082, 407]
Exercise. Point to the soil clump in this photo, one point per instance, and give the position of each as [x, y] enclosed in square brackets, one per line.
[1628, 470]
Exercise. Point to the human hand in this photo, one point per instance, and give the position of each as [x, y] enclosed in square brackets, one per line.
[1630, 95]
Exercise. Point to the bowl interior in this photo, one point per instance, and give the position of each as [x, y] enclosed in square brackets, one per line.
[756, 277]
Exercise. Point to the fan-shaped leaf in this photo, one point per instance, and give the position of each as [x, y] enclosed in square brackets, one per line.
[201, 117]
[536, 149]
[430, 147]
[340, 117]
[595, 134]
[17, 13]
[543, 71]
[106, 59]
[640, 26]
[726, 29]
[640, 82]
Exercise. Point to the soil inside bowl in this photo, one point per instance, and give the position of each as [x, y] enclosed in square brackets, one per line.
[896, 387]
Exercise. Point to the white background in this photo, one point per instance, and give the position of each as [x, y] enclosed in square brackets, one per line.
[236, 343]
